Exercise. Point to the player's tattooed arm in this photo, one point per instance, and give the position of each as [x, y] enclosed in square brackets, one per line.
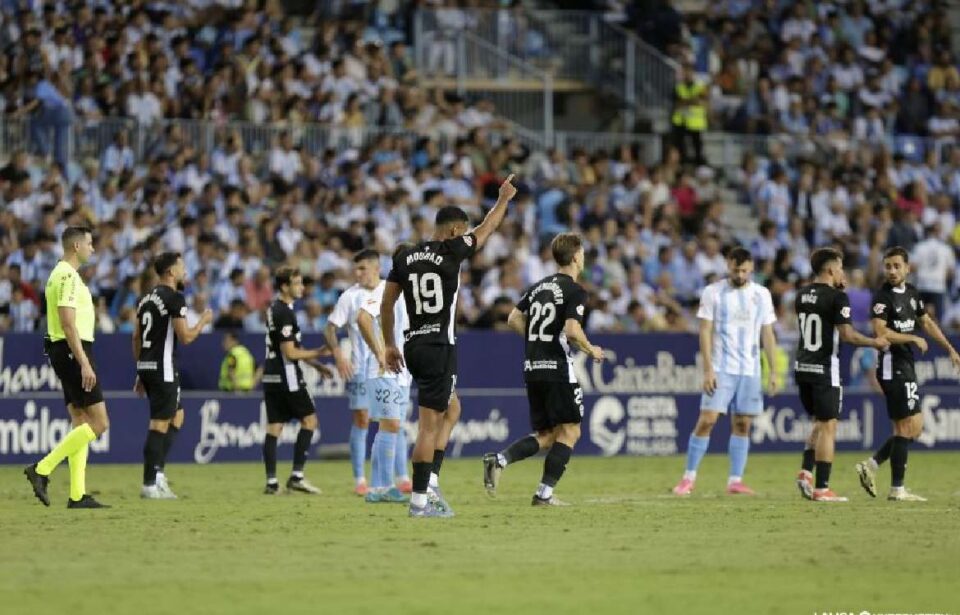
[392, 354]
[931, 328]
[880, 329]
[367, 331]
[495, 216]
[851, 336]
[517, 321]
[575, 334]
[769, 339]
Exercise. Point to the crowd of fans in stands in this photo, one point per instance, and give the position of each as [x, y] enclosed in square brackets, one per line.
[655, 232]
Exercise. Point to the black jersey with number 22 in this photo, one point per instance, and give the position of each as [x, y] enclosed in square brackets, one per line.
[820, 309]
[429, 275]
[548, 305]
[155, 313]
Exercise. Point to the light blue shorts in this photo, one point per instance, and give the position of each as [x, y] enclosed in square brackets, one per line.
[388, 400]
[741, 394]
[357, 391]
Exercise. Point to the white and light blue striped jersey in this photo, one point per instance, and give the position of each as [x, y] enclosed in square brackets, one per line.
[737, 315]
[400, 324]
[345, 315]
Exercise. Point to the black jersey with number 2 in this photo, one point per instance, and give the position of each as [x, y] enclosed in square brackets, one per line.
[429, 275]
[820, 309]
[282, 327]
[901, 308]
[158, 342]
[548, 305]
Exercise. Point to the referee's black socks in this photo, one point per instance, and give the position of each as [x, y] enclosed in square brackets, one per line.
[152, 456]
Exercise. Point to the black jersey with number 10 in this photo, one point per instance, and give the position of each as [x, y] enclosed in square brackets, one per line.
[158, 343]
[548, 305]
[429, 275]
[820, 309]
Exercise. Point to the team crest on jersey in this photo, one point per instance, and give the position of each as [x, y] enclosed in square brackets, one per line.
[879, 308]
[845, 312]
[467, 239]
[580, 310]
[286, 331]
[913, 303]
[183, 312]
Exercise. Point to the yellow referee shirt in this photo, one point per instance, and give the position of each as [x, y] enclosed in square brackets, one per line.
[65, 288]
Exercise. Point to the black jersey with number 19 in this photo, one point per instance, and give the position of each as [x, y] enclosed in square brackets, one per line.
[548, 305]
[429, 275]
[155, 313]
[820, 309]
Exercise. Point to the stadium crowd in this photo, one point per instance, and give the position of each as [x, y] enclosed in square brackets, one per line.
[655, 233]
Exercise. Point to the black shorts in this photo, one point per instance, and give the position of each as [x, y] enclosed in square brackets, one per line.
[284, 405]
[164, 396]
[554, 403]
[903, 398]
[821, 401]
[434, 369]
[67, 370]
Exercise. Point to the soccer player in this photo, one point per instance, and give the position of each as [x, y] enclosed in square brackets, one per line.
[735, 314]
[354, 370]
[898, 310]
[389, 395]
[284, 390]
[823, 310]
[70, 325]
[428, 276]
[549, 316]
[161, 322]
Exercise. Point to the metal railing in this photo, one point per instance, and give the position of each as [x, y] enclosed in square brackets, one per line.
[575, 46]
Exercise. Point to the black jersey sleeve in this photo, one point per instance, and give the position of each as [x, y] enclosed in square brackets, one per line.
[841, 309]
[178, 306]
[462, 247]
[285, 323]
[921, 308]
[880, 306]
[396, 272]
[524, 304]
[576, 307]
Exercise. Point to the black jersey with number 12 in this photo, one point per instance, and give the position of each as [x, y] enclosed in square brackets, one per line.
[429, 275]
[548, 305]
[901, 309]
[820, 309]
[158, 343]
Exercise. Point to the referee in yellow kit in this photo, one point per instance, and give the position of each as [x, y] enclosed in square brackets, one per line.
[70, 320]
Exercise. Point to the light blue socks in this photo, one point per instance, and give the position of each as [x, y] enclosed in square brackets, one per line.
[358, 450]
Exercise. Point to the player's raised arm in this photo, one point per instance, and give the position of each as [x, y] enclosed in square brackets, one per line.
[394, 359]
[495, 216]
[186, 334]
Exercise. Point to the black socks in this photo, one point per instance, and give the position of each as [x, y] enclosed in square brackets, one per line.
[300, 449]
[555, 463]
[823, 474]
[437, 460]
[521, 449]
[421, 476]
[808, 460]
[898, 460]
[270, 456]
[152, 456]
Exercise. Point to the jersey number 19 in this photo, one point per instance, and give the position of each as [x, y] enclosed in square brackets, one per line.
[427, 293]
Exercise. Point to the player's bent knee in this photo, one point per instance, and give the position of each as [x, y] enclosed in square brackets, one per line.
[569, 433]
[390, 425]
[309, 422]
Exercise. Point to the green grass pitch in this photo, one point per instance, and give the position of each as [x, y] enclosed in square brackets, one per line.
[626, 546]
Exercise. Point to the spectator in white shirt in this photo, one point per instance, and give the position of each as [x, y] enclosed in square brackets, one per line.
[934, 263]
[285, 161]
[118, 157]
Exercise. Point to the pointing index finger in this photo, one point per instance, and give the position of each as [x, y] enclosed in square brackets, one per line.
[510, 178]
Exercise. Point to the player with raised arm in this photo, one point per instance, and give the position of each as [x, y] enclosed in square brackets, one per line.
[735, 314]
[550, 317]
[428, 277]
[353, 369]
[284, 390]
[898, 311]
[823, 311]
[389, 395]
[161, 323]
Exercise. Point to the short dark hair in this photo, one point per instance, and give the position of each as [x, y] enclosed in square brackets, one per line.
[284, 276]
[897, 251]
[403, 246]
[822, 257]
[73, 233]
[165, 261]
[564, 247]
[739, 255]
[366, 255]
[451, 214]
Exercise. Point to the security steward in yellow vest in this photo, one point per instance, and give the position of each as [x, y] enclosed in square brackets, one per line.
[238, 372]
[690, 115]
